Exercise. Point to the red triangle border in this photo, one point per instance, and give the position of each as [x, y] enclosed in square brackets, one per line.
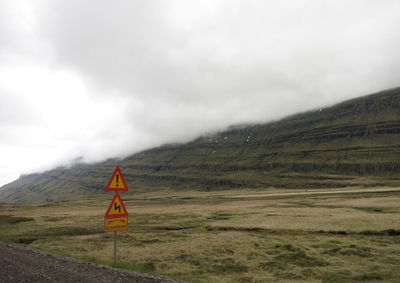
[117, 170]
[107, 215]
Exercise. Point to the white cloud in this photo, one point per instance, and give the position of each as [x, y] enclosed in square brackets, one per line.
[100, 79]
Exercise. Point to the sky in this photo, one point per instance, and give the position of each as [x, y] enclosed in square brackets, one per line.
[89, 80]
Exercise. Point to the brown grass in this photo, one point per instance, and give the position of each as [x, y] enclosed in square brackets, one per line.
[244, 236]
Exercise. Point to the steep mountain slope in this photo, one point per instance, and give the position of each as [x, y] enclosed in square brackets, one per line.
[356, 142]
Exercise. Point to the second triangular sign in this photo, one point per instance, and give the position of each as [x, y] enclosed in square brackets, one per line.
[116, 208]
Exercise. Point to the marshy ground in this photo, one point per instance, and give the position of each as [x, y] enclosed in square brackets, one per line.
[350, 234]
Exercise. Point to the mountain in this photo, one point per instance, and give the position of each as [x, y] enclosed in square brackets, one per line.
[356, 142]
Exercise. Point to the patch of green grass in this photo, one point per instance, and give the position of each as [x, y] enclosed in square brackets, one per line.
[220, 215]
[167, 222]
[70, 231]
[333, 276]
[54, 232]
[297, 256]
[354, 250]
[351, 250]
[369, 276]
[147, 267]
[53, 219]
[24, 240]
[226, 265]
[9, 219]
[377, 209]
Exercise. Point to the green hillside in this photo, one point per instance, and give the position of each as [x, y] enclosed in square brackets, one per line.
[356, 142]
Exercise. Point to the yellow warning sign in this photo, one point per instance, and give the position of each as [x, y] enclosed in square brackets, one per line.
[115, 224]
[116, 208]
[117, 181]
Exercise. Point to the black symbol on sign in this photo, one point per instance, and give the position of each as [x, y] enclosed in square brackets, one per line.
[117, 179]
[117, 207]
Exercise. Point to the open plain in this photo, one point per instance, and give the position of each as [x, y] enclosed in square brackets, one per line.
[339, 235]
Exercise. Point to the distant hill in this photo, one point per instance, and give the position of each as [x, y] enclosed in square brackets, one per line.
[356, 142]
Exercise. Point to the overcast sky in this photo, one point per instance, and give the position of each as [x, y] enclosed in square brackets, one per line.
[98, 79]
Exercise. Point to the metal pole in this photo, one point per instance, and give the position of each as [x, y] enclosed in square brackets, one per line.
[115, 247]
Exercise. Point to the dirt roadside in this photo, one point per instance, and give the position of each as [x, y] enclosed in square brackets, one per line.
[24, 264]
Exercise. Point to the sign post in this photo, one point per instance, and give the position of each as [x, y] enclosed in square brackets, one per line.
[116, 217]
[115, 247]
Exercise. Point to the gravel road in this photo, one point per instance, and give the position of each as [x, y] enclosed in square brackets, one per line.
[24, 264]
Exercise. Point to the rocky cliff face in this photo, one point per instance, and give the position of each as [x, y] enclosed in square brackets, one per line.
[356, 142]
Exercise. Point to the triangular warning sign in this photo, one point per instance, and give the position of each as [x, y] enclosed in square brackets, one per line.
[117, 182]
[116, 208]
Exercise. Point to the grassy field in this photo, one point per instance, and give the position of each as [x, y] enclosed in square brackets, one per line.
[227, 236]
